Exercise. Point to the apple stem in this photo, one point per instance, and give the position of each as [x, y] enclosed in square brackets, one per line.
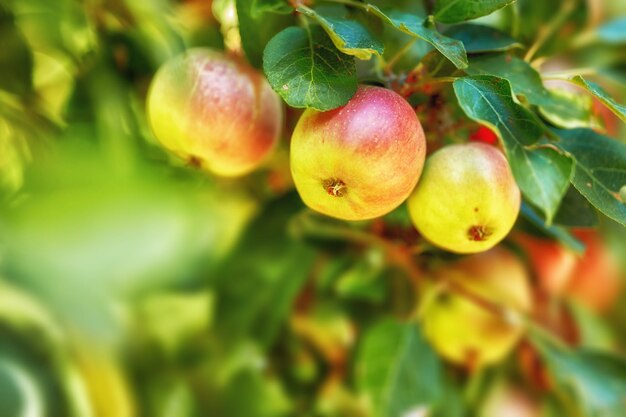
[335, 187]
[194, 162]
[478, 233]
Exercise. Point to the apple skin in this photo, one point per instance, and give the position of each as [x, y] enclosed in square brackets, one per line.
[507, 400]
[361, 160]
[215, 111]
[464, 332]
[467, 199]
[485, 135]
[593, 278]
[552, 264]
[597, 279]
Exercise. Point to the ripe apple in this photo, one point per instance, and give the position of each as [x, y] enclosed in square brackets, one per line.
[361, 160]
[485, 135]
[597, 280]
[552, 263]
[215, 111]
[462, 330]
[467, 199]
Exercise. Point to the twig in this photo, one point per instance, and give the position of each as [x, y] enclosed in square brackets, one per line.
[394, 59]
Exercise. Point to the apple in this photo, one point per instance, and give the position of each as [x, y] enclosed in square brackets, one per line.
[361, 160]
[507, 400]
[467, 199]
[459, 328]
[611, 122]
[552, 263]
[215, 111]
[597, 279]
[485, 135]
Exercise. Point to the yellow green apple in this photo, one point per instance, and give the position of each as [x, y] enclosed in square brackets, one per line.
[463, 330]
[508, 400]
[467, 199]
[361, 160]
[214, 111]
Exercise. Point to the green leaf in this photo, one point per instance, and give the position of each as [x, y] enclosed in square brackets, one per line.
[481, 38]
[257, 26]
[596, 90]
[523, 78]
[452, 403]
[551, 172]
[541, 173]
[62, 25]
[488, 99]
[613, 31]
[599, 169]
[256, 286]
[401, 47]
[171, 320]
[415, 25]
[259, 7]
[365, 279]
[13, 152]
[306, 69]
[594, 332]
[253, 394]
[454, 11]
[398, 369]
[349, 36]
[576, 211]
[568, 110]
[596, 379]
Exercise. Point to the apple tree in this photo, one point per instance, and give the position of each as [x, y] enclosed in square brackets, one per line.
[312, 208]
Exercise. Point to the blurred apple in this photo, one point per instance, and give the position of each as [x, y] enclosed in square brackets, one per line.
[612, 123]
[215, 111]
[462, 330]
[509, 401]
[597, 279]
[551, 263]
[593, 278]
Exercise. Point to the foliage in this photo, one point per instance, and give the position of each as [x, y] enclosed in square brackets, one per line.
[132, 284]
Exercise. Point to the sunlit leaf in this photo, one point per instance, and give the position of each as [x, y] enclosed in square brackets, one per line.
[349, 36]
[453, 11]
[568, 110]
[598, 91]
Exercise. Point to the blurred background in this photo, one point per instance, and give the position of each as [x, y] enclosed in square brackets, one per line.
[133, 285]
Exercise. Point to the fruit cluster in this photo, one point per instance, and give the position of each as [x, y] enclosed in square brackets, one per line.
[363, 160]
[356, 162]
